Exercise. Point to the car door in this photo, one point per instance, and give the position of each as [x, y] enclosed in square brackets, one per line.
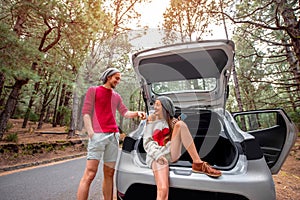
[274, 131]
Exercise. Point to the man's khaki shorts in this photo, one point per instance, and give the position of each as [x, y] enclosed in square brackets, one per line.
[103, 144]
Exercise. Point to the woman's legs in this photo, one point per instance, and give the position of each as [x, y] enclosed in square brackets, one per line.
[161, 175]
[182, 136]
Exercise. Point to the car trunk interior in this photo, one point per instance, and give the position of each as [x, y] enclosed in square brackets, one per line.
[210, 139]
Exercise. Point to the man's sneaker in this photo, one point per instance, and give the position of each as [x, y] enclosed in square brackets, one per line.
[205, 168]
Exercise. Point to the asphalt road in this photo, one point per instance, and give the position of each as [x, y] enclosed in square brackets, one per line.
[57, 181]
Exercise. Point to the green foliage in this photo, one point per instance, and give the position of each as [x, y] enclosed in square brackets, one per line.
[67, 129]
[12, 137]
[266, 78]
[49, 148]
[184, 19]
[295, 117]
[62, 147]
[28, 147]
[56, 35]
[33, 117]
[72, 42]
[9, 125]
[67, 115]
[16, 55]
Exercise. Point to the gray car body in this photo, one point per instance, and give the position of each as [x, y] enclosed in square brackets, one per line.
[246, 175]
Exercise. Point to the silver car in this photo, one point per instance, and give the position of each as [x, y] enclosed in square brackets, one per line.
[248, 147]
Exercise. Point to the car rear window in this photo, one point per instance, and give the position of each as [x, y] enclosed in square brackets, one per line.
[181, 86]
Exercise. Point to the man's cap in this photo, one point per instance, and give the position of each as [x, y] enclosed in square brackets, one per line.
[107, 73]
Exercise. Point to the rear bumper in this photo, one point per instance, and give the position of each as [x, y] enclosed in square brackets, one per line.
[244, 180]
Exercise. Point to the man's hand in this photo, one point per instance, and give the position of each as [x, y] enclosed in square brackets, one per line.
[88, 125]
[90, 134]
[122, 136]
[141, 114]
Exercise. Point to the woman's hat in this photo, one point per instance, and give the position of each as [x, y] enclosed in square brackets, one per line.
[167, 104]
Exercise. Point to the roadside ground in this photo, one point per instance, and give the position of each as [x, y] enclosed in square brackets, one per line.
[35, 147]
[50, 144]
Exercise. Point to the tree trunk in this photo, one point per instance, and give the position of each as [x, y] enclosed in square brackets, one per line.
[74, 115]
[54, 122]
[10, 104]
[238, 96]
[47, 100]
[60, 105]
[237, 89]
[80, 117]
[41, 119]
[291, 26]
[30, 104]
[294, 68]
[27, 114]
[2, 81]
[65, 105]
[43, 110]
[294, 106]
[21, 17]
[48, 113]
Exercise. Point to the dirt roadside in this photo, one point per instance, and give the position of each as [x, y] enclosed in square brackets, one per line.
[287, 181]
[36, 147]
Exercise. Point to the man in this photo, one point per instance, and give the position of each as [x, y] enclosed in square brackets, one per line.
[99, 112]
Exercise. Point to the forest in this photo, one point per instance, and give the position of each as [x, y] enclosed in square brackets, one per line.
[51, 51]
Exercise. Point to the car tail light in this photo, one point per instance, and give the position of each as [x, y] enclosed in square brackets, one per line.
[121, 195]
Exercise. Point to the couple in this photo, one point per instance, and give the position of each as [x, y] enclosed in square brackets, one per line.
[163, 137]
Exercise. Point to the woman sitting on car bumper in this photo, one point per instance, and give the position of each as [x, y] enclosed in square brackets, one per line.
[163, 139]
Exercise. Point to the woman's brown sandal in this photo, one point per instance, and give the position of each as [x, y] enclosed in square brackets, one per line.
[204, 167]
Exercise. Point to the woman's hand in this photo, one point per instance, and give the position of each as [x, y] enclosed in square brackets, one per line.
[151, 118]
[174, 121]
[162, 160]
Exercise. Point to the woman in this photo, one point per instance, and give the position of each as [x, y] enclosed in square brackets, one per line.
[163, 140]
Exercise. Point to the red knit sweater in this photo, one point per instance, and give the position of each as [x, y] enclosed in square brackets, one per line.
[101, 104]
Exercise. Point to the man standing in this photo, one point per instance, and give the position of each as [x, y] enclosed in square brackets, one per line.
[99, 118]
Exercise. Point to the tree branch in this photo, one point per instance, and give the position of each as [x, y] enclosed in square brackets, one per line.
[236, 21]
[46, 33]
